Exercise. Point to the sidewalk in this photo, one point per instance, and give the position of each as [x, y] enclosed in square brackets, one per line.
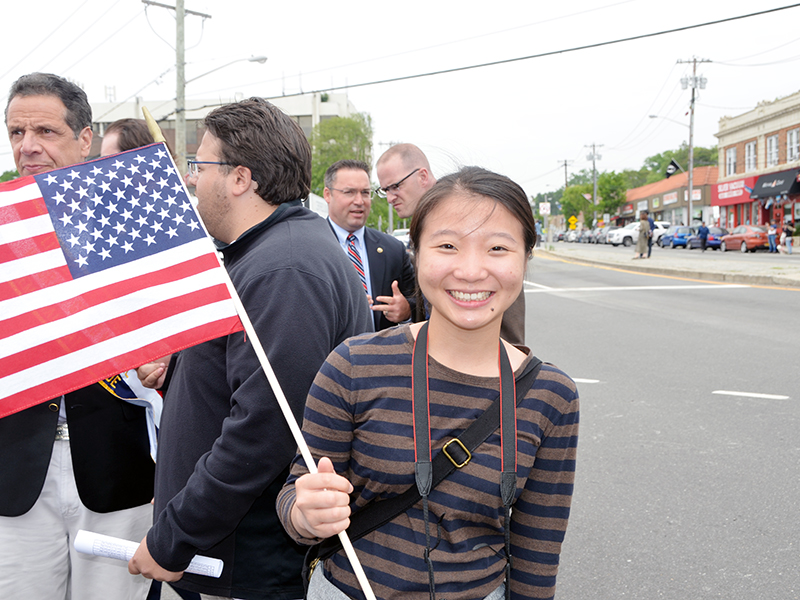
[760, 268]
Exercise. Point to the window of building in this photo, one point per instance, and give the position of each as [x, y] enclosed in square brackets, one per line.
[730, 161]
[750, 156]
[792, 145]
[772, 150]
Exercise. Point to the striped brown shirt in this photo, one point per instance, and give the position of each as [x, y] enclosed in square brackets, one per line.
[359, 415]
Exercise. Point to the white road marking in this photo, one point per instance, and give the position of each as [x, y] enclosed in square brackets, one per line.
[537, 285]
[750, 395]
[577, 380]
[634, 288]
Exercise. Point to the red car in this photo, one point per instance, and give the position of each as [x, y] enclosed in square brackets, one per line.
[746, 238]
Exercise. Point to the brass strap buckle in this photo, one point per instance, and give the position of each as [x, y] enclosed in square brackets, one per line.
[311, 567]
[463, 447]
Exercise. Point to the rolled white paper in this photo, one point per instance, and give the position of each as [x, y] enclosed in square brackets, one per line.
[97, 544]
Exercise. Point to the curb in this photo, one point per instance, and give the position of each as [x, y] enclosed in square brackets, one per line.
[741, 278]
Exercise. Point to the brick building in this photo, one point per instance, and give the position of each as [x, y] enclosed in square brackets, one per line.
[759, 158]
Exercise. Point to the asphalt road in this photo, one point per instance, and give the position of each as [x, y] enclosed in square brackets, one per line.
[681, 492]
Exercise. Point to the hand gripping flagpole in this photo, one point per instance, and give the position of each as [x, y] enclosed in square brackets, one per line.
[158, 136]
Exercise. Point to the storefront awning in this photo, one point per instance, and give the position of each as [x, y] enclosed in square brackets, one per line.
[777, 184]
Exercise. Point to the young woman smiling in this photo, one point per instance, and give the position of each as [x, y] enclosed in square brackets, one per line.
[385, 404]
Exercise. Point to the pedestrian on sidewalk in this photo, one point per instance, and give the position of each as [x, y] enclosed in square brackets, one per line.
[652, 226]
[786, 235]
[772, 232]
[642, 243]
[703, 235]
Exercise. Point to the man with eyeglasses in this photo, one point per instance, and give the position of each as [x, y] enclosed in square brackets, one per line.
[388, 276]
[405, 175]
[225, 448]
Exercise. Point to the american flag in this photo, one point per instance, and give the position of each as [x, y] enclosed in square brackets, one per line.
[103, 266]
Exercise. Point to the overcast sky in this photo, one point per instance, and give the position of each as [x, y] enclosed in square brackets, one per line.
[522, 118]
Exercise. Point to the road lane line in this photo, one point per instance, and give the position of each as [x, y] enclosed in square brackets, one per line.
[750, 395]
[536, 285]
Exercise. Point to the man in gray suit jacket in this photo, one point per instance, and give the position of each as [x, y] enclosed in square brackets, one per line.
[381, 260]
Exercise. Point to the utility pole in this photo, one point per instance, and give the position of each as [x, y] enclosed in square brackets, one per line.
[180, 87]
[694, 82]
[594, 156]
[566, 162]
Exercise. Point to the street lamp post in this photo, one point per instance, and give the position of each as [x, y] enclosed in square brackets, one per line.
[180, 99]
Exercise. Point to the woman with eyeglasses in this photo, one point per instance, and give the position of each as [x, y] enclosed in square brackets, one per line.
[387, 410]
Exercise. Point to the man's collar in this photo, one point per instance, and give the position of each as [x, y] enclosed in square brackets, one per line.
[341, 233]
[271, 219]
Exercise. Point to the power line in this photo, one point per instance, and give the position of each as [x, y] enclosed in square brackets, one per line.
[517, 59]
[544, 54]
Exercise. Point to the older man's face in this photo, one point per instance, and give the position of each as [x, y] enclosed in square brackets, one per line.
[40, 138]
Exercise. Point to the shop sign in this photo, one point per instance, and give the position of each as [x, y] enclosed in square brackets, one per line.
[656, 203]
[641, 205]
[627, 209]
[733, 192]
[696, 194]
[670, 198]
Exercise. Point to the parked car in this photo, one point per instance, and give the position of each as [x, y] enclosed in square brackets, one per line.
[747, 238]
[626, 236]
[714, 238]
[571, 235]
[629, 235]
[660, 230]
[403, 236]
[676, 236]
[586, 236]
[560, 236]
[602, 235]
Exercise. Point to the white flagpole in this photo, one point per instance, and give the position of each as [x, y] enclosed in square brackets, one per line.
[275, 385]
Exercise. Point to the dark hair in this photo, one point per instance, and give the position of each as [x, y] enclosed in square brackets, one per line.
[133, 133]
[330, 174]
[256, 134]
[475, 181]
[79, 113]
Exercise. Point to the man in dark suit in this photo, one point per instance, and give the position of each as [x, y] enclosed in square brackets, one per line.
[385, 267]
[80, 461]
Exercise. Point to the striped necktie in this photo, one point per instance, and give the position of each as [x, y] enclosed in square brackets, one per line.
[355, 258]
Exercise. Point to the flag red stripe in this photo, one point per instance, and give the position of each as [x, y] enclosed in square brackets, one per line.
[28, 247]
[96, 297]
[22, 210]
[31, 283]
[111, 328]
[20, 182]
[119, 364]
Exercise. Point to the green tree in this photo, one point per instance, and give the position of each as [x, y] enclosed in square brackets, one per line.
[611, 188]
[573, 202]
[580, 177]
[657, 164]
[9, 175]
[634, 179]
[339, 138]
